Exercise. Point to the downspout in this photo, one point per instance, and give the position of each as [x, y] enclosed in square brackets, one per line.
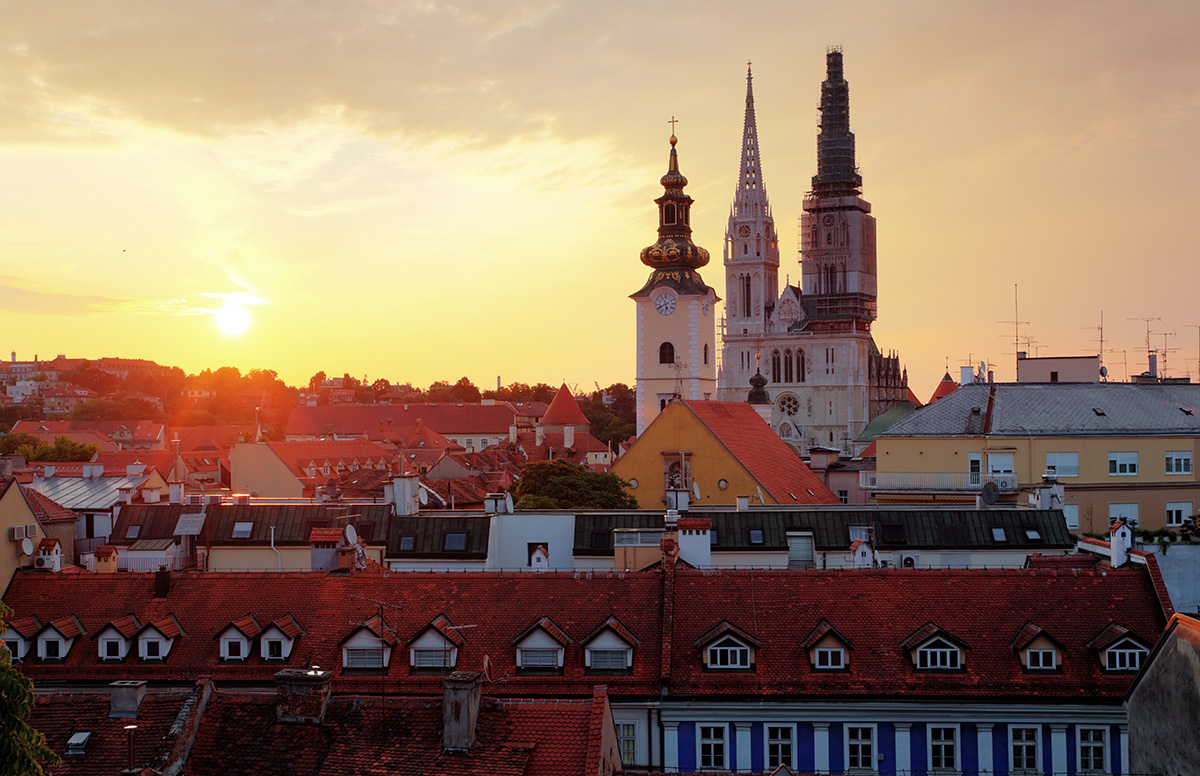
[277, 552]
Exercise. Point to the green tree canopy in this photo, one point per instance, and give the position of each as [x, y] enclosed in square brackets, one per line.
[560, 484]
[23, 750]
[34, 449]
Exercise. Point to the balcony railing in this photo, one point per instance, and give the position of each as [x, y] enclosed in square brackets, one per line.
[84, 546]
[935, 481]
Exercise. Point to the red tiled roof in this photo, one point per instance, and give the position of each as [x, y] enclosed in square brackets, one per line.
[823, 629]
[329, 535]
[298, 455]
[564, 410]
[68, 626]
[946, 387]
[767, 457]
[161, 461]
[288, 626]
[47, 544]
[248, 626]
[127, 626]
[1037, 560]
[212, 437]
[613, 624]
[724, 627]
[168, 626]
[368, 419]
[45, 509]
[26, 626]
[547, 625]
[693, 524]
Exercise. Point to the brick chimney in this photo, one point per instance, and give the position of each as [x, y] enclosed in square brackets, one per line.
[301, 695]
[126, 698]
[460, 711]
[162, 583]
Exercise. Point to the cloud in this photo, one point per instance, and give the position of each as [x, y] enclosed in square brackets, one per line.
[15, 297]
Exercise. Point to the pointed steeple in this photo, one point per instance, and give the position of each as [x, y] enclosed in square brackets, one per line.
[750, 199]
[837, 174]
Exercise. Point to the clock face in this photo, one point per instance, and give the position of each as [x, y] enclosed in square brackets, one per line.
[665, 304]
[744, 231]
[828, 220]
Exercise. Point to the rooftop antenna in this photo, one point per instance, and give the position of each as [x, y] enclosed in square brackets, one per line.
[1016, 322]
[1100, 329]
[1196, 326]
[1150, 352]
[1165, 350]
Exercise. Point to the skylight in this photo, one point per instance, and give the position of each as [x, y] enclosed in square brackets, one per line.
[1032, 533]
[242, 530]
[132, 531]
[998, 535]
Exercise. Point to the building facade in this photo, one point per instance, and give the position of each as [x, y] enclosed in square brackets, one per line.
[812, 341]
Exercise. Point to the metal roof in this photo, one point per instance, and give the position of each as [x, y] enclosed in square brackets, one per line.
[428, 535]
[84, 494]
[1058, 409]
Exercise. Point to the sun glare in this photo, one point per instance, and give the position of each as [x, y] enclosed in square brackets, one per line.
[232, 319]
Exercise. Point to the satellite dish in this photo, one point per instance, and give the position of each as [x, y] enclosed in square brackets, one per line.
[991, 493]
[351, 534]
[696, 489]
[27, 546]
[508, 505]
[761, 500]
[423, 496]
[1104, 371]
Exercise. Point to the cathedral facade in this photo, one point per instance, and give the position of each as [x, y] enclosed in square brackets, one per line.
[826, 378]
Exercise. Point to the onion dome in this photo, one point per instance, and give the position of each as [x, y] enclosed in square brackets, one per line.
[758, 389]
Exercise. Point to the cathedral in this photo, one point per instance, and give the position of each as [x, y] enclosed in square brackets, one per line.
[826, 379]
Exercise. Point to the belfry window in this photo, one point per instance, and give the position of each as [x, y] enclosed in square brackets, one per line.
[775, 366]
[787, 366]
[669, 216]
[706, 354]
[746, 296]
[800, 365]
[666, 353]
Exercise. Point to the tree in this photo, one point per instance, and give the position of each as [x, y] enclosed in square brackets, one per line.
[34, 449]
[559, 484]
[23, 750]
[315, 381]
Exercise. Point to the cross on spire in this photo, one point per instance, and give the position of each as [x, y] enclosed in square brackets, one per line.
[673, 122]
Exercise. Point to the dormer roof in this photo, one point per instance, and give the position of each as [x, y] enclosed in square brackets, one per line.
[547, 625]
[378, 628]
[824, 628]
[126, 626]
[26, 627]
[68, 626]
[247, 626]
[168, 626]
[1030, 632]
[288, 626]
[929, 631]
[442, 625]
[726, 628]
[1111, 634]
[614, 625]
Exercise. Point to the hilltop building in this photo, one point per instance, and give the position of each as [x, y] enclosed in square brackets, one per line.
[828, 379]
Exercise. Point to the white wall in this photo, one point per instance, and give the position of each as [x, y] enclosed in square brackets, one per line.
[511, 535]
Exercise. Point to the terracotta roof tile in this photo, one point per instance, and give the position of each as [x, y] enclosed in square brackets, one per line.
[45, 509]
[564, 410]
[127, 626]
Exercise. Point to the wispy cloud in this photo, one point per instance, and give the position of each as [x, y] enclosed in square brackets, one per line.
[16, 297]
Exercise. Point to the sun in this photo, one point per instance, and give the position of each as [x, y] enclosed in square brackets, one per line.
[232, 319]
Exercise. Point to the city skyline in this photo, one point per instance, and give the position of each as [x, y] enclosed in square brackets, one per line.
[427, 192]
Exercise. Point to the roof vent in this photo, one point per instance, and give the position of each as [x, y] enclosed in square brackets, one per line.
[77, 743]
[1099, 412]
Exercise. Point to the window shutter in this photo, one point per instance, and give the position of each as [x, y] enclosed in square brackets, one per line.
[800, 552]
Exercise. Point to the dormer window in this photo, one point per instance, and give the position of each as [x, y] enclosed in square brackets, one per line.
[278, 638]
[236, 639]
[729, 653]
[609, 648]
[830, 657]
[541, 647]
[51, 648]
[938, 655]
[1041, 659]
[155, 641]
[55, 640]
[370, 646]
[1125, 655]
[436, 647]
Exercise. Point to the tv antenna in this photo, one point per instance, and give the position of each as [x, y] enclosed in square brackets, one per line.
[1016, 323]
[1165, 350]
[1197, 328]
[1099, 329]
[1149, 350]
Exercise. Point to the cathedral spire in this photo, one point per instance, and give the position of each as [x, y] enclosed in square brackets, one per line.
[750, 199]
[837, 174]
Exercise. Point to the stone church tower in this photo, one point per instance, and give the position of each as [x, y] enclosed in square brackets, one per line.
[827, 377]
[676, 340]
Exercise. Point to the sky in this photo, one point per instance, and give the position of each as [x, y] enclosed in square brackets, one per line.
[422, 191]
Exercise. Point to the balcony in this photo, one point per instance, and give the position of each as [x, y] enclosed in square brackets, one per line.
[935, 482]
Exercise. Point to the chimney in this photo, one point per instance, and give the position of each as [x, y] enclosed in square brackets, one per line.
[175, 493]
[1153, 364]
[301, 695]
[345, 558]
[568, 437]
[743, 503]
[695, 546]
[405, 489]
[126, 495]
[48, 471]
[135, 468]
[512, 434]
[539, 436]
[966, 375]
[460, 711]
[1120, 541]
[162, 583]
[125, 698]
[150, 495]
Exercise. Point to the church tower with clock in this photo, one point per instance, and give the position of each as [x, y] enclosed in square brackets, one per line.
[676, 337]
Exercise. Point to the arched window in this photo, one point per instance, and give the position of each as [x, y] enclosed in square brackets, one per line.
[775, 366]
[746, 296]
[706, 353]
[669, 216]
[745, 249]
[666, 353]
[787, 366]
[800, 364]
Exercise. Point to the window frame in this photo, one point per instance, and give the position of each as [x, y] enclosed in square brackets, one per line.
[446, 541]
[1059, 471]
[1120, 652]
[873, 744]
[355, 658]
[775, 759]
[718, 746]
[727, 646]
[1174, 460]
[1036, 744]
[627, 742]
[954, 742]
[820, 652]
[626, 656]
[524, 653]
[1041, 652]
[1092, 744]
[269, 646]
[1182, 509]
[928, 649]
[1123, 463]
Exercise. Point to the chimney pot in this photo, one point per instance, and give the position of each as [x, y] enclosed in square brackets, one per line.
[460, 710]
[162, 583]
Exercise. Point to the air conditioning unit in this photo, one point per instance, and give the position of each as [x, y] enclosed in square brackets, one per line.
[16, 533]
[31, 530]
[910, 561]
[195, 500]
[41, 562]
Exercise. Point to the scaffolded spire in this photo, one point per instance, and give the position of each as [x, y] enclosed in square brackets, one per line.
[837, 174]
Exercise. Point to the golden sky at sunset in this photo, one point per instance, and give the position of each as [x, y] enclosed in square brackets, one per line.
[422, 190]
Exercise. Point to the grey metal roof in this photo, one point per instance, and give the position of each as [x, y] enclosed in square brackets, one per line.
[293, 523]
[894, 529]
[86, 494]
[1058, 409]
[429, 536]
